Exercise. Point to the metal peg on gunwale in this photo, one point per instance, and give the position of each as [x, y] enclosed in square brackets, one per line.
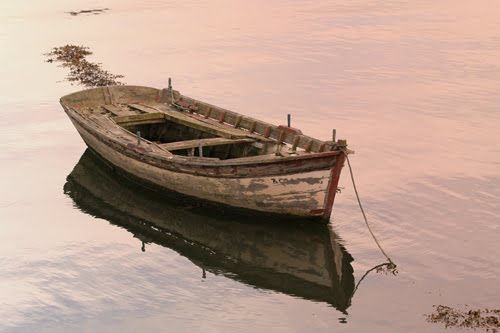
[289, 118]
[169, 83]
[334, 134]
[138, 137]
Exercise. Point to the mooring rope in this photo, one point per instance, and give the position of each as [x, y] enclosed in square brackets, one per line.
[391, 269]
[363, 212]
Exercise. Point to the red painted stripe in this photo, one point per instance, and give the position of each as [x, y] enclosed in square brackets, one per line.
[332, 186]
[317, 212]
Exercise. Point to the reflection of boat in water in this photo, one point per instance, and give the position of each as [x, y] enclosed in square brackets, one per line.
[303, 260]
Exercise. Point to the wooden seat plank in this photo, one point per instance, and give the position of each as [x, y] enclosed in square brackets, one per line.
[116, 110]
[188, 144]
[189, 121]
[140, 119]
[143, 108]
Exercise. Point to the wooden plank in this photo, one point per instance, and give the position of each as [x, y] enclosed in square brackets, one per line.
[251, 129]
[107, 95]
[143, 108]
[237, 122]
[331, 190]
[116, 110]
[139, 119]
[208, 112]
[222, 117]
[296, 142]
[204, 126]
[309, 145]
[257, 158]
[159, 98]
[188, 144]
[173, 116]
[281, 137]
[142, 122]
[267, 132]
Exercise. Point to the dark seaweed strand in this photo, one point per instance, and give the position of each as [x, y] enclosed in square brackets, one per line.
[82, 71]
[485, 319]
[88, 11]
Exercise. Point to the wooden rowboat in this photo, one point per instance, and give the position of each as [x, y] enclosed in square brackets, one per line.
[298, 259]
[173, 142]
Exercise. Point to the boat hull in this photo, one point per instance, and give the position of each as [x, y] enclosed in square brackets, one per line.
[180, 144]
[304, 194]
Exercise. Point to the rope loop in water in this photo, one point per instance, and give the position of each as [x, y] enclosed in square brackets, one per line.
[391, 265]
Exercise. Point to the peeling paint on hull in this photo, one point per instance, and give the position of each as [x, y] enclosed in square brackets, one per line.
[291, 194]
[199, 150]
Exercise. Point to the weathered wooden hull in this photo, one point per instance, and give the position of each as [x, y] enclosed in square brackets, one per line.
[303, 186]
[301, 260]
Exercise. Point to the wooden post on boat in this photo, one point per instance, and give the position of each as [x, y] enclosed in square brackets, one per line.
[200, 150]
[334, 177]
[289, 117]
[169, 83]
[342, 144]
[334, 134]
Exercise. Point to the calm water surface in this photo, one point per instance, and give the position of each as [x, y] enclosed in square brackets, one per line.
[413, 87]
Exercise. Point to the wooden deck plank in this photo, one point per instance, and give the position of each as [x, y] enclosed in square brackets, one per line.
[139, 119]
[203, 142]
[203, 124]
[257, 158]
[193, 122]
[159, 116]
[143, 108]
[116, 110]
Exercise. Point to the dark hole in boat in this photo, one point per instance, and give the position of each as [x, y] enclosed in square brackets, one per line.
[224, 152]
[169, 132]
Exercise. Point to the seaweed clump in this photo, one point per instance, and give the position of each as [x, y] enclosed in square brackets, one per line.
[82, 71]
[486, 319]
[387, 268]
[88, 11]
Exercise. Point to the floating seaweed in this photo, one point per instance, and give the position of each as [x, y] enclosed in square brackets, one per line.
[387, 268]
[486, 319]
[88, 11]
[82, 71]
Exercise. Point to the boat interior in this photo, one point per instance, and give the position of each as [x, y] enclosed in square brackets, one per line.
[191, 128]
[188, 135]
[188, 141]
